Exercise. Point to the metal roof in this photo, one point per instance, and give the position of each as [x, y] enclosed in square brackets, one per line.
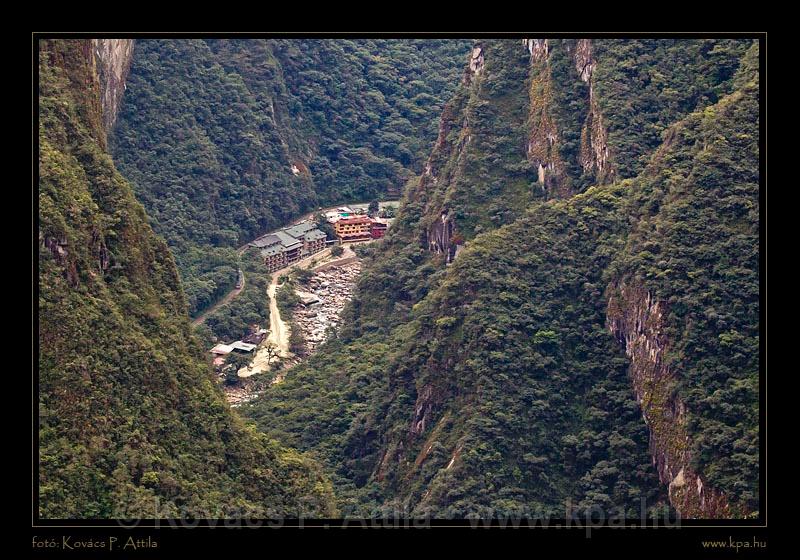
[272, 250]
[265, 240]
[315, 234]
[299, 229]
[239, 345]
[222, 349]
[287, 240]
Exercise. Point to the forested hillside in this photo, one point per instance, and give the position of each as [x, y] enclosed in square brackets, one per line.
[227, 139]
[514, 344]
[695, 250]
[131, 423]
[564, 318]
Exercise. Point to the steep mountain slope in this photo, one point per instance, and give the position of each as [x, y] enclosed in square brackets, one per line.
[130, 421]
[482, 368]
[227, 139]
[551, 121]
[503, 394]
[684, 301]
[113, 58]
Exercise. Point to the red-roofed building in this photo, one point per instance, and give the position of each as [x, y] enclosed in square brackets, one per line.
[378, 229]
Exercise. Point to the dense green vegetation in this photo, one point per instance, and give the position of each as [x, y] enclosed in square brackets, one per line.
[696, 247]
[645, 86]
[131, 423]
[209, 273]
[227, 139]
[639, 88]
[493, 386]
[522, 385]
[249, 311]
[485, 382]
[367, 109]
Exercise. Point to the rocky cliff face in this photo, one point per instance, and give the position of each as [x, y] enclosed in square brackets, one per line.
[113, 62]
[594, 157]
[542, 147]
[439, 233]
[445, 159]
[565, 147]
[440, 237]
[546, 148]
[476, 62]
[636, 319]
[517, 86]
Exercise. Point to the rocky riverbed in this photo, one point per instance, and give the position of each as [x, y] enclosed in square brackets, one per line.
[333, 288]
[330, 288]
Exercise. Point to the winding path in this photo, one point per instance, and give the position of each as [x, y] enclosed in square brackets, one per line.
[224, 301]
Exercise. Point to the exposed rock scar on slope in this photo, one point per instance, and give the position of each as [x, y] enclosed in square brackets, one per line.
[637, 320]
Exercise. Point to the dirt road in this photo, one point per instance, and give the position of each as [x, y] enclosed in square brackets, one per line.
[224, 301]
[227, 298]
[278, 331]
[278, 335]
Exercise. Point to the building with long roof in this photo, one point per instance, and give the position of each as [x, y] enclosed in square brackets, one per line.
[288, 245]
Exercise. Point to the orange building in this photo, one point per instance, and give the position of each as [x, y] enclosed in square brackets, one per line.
[353, 229]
